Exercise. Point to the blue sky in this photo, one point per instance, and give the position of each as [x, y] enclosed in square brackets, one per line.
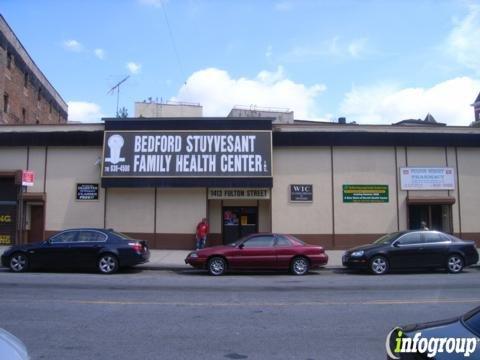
[371, 61]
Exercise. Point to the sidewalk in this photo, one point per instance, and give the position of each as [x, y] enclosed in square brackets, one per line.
[175, 259]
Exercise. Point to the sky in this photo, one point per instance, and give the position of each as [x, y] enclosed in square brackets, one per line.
[371, 61]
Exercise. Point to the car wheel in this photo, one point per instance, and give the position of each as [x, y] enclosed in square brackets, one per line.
[18, 262]
[300, 266]
[108, 264]
[455, 263]
[217, 266]
[379, 265]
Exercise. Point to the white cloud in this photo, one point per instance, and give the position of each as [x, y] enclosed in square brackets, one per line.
[85, 112]
[133, 67]
[334, 47]
[283, 6]
[463, 41]
[218, 92]
[449, 102]
[155, 3]
[357, 47]
[73, 45]
[269, 52]
[99, 53]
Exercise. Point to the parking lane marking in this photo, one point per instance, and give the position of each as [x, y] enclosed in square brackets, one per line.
[278, 304]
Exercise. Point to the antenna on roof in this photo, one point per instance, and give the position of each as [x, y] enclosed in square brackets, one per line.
[117, 87]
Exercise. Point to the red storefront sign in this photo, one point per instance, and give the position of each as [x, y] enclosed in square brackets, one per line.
[28, 177]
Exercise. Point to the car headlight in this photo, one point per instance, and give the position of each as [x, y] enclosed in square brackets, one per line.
[193, 255]
[357, 253]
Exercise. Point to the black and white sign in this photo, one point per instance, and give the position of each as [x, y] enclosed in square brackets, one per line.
[301, 193]
[87, 192]
[239, 194]
[187, 154]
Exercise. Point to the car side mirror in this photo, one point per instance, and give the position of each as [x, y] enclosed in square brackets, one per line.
[397, 244]
[241, 246]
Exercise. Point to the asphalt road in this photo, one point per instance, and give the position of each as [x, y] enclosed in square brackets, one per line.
[184, 314]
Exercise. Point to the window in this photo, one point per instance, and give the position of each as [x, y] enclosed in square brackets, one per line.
[91, 236]
[121, 236]
[9, 60]
[5, 102]
[25, 79]
[64, 237]
[259, 241]
[24, 115]
[282, 241]
[431, 238]
[39, 94]
[50, 107]
[410, 239]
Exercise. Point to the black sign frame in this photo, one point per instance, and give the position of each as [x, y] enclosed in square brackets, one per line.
[266, 144]
[87, 191]
[301, 193]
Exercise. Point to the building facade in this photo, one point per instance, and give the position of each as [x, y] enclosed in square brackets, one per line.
[27, 95]
[154, 179]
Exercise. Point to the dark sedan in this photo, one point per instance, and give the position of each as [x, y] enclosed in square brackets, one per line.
[412, 249]
[260, 252]
[107, 250]
[456, 338]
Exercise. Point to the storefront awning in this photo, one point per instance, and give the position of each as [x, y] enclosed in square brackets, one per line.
[430, 200]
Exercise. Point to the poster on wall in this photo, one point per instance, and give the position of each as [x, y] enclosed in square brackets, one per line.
[7, 224]
[365, 193]
[87, 192]
[416, 178]
[301, 193]
[143, 154]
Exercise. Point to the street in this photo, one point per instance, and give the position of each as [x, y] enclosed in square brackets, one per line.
[186, 314]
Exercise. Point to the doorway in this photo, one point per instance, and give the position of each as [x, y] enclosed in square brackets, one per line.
[239, 222]
[437, 217]
[37, 223]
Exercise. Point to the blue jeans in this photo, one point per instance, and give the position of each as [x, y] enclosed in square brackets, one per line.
[201, 242]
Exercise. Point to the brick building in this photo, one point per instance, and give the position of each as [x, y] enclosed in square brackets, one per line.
[27, 97]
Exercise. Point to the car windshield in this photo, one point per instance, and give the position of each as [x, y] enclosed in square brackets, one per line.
[387, 238]
[121, 236]
[473, 323]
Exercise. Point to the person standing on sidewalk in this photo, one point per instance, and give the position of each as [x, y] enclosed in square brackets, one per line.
[201, 234]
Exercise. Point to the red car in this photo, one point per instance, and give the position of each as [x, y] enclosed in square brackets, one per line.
[260, 251]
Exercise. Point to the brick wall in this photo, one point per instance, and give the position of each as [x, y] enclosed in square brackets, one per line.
[25, 106]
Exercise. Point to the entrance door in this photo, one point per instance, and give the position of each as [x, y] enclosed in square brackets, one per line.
[437, 217]
[36, 223]
[239, 222]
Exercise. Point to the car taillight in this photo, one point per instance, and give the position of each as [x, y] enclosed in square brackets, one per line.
[137, 247]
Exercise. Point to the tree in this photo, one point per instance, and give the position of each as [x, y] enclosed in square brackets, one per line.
[122, 113]
[475, 124]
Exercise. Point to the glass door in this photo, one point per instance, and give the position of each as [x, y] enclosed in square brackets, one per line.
[437, 217]
[239, 222]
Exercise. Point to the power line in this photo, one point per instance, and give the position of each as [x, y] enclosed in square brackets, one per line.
[179, 61]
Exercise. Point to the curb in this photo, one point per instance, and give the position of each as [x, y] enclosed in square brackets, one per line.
[174, 267]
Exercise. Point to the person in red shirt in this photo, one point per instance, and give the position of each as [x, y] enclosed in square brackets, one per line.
[201, 233]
